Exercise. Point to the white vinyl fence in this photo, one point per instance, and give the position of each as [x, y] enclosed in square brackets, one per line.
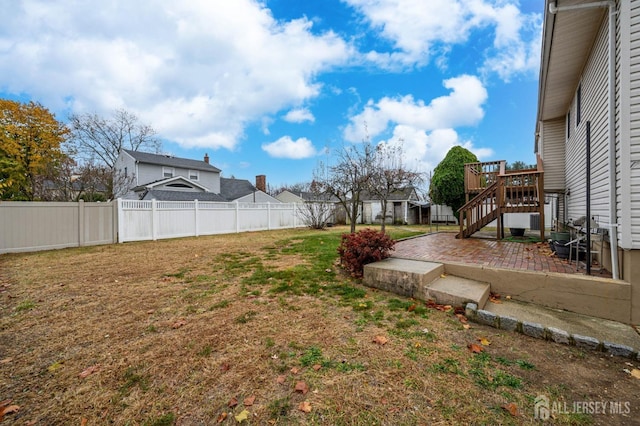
[31, 226]
[153, 220]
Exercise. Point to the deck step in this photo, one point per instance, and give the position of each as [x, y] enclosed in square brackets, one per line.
[457, 291]
[401, 276]
[424, 281]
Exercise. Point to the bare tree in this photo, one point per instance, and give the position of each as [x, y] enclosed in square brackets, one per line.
[98, 140]
[348, 178]
[390, 175]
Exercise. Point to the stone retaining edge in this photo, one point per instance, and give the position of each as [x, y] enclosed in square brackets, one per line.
[552, 334]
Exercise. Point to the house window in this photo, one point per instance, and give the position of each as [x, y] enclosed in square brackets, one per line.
[579, 105]
[126, 174]
[568, 124]
[167, 172]
[193, 174]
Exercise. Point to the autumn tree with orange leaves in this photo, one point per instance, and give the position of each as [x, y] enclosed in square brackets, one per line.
[30, 147]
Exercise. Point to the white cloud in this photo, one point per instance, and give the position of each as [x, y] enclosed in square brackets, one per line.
[423, 150]
[461, 107]
[285, 147]
[425, 132]
[299, 115]
[420, 30]
[197, 71]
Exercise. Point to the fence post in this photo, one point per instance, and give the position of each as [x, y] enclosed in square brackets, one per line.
[120, 221]
[154, 220]
[115, 222]
[237, 217]
[268, 216]
[81, 223]
[195, 205]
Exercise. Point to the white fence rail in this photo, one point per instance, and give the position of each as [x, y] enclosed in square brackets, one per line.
[153, 220]
[31, 226]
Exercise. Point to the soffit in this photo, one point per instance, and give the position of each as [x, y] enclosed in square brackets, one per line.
[567, 41]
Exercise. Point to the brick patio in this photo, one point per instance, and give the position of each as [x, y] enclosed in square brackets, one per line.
[444, 247]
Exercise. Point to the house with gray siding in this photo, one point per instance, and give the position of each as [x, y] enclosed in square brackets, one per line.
[147, 176]
[588, 124]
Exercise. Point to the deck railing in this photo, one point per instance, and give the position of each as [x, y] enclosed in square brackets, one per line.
[478, 176]
[491, 190]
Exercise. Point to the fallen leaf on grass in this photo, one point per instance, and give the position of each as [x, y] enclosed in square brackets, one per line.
[635, 373]
[5, 408]
[381, 340]
[411, 308]
[305, 407]
[244, 415]
[281, 379]
[221, 418]
[89, 371]
[476, 349]
[225, 367]
[6, 360]
[433, 305]
[461, 318]
[248, 401]
[484, 341]
[295, 370]
[150, 311]
[179, 324]
[512, 408]
[84, 421]
[233, 402]
[466, 326]
[316, 367]
[302, 387]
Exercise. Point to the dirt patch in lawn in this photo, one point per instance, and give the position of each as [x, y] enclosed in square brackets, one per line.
[222, 328]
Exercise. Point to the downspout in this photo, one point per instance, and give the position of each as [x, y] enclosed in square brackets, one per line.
[613, 211]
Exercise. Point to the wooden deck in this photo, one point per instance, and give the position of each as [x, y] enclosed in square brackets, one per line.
[491, 191]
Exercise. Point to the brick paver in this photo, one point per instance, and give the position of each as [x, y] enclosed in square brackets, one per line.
[443, 247]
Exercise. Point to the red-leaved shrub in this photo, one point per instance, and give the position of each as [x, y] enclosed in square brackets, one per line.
[362, 247]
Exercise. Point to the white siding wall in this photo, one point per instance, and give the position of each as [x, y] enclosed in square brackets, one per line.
[147, 173]
[554, 137]
[628, 158]
[594, 109]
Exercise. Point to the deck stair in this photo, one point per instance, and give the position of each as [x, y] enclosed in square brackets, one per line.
[424, 281]
[491, 191]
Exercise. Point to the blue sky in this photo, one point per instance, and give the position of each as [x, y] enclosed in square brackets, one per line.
[274, 87]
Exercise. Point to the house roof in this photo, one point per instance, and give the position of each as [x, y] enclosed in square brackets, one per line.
[313, 196]
[232, 189]
[566, 42]
[169, 161]
[162, 195]
[399, 195]
[159, 182]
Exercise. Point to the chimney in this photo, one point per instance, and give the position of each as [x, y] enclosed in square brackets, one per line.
[206, 158]
[261, 183]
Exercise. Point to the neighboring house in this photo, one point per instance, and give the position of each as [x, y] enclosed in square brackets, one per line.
[147, 176]
[334, 213]
[403, 206]
[245, 192]
[590, 75]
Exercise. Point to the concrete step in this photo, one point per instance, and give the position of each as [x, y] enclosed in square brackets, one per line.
[457, 291]
[402, 276]
[424, 281]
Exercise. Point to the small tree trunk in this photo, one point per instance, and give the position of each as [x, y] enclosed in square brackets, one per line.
[383, 206]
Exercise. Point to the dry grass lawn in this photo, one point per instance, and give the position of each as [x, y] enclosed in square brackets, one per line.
[264, 326]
